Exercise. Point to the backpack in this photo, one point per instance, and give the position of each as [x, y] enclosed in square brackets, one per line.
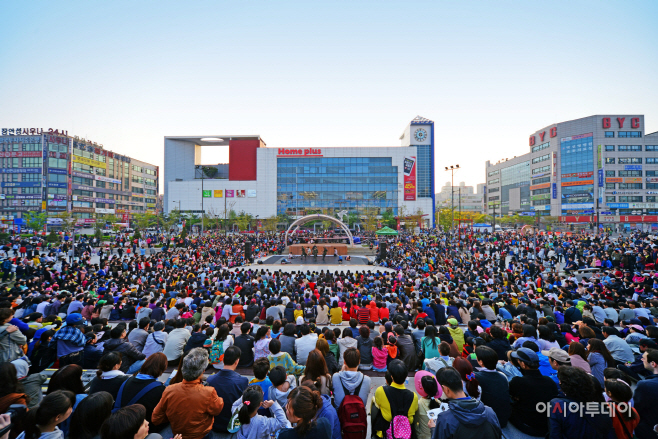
[144, 391]
[352, 414]
[48, 310]
[400, 428]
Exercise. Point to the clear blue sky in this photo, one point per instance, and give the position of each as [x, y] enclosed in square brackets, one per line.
[332, 73]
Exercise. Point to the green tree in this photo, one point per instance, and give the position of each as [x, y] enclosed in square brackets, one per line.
[143, 221]
[269, 224]
[68, 221]
[36, 220]
[388, 219]
[243, 220]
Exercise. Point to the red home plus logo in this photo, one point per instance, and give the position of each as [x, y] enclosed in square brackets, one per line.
[607, 122]
[307, 152]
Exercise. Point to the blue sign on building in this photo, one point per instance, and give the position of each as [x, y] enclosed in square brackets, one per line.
[21, 184]
[59, 185]
[633, 167]
[554, 191]
[57, 171]
[618, 205]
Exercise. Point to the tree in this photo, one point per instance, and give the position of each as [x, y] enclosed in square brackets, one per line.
[243, 220]
[370, 219]
[388, 219]
[269, 224]
[416, 217]
[36, 220]
[68, 221]
[143, 221]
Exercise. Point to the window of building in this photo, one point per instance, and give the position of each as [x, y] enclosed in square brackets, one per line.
[652, 186]
[610, 134]
[610, 147]
[56, 178]
[57, 163]
[651, 198]
[610, 185]
[494, 198]
[541, 180]
[651, 160]
[652, 173]
[492, 173]
[100, 184]
[629, 160]
[540, 170]
[494, 181]
[610, 199]
[83, 181]
[629, 185]
[57, 191]
[540, 147]
[629, 134]
[609, 173]
[609, 160]
[651, 148]
[541, 191]
[541, 158]
[630, 199]
[541, 202]
[630, 173]
[627, 148]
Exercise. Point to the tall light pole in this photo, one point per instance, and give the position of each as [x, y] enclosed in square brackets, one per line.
[452, 170]
[199, 167]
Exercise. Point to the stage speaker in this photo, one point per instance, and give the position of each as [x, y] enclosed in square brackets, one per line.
[382, 250]
[247, 250]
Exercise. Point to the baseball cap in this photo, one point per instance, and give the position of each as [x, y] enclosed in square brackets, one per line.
[526, 355]
[74, 319]
[558, 355]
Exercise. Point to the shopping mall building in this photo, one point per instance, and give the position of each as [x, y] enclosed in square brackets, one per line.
[50, 171]
[266, 181]
[574, 169]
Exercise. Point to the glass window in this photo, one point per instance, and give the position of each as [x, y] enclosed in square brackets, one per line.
[610, 199]
[610, 147]
[609, 173]
[610, 134]
[626, 148]
[609, 160]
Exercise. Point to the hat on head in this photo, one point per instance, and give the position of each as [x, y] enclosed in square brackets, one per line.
[300, 320]
[74, 319]
[648, 343]
[558, 355]
[22, 368]
[453, 322]
[419, 387]
[526, 355]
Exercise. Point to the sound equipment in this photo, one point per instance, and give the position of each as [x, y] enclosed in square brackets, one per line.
[382, 250]
[247, 250]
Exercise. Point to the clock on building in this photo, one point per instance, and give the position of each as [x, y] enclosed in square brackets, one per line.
[420, 135]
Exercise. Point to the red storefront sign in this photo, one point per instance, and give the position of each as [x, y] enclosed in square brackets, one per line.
[307, 152]
[410, 179]
[21, 154]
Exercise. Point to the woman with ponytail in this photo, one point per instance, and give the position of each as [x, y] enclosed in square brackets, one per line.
[302, 408]
[253, 425]
[41, 422]
[471, 384]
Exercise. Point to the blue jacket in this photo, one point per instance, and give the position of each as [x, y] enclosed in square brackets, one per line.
[329, 413]
[229, 385]
[466, 411]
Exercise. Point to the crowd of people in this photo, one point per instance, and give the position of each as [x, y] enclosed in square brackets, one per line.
[499, 333]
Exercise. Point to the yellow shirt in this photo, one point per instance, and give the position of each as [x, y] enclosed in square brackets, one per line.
[385, 407]
[298, 313]
[336, 316]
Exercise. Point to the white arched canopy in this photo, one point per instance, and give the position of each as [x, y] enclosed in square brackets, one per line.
[319, 216]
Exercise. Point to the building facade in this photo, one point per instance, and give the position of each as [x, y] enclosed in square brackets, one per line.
[266, 181]
[464, 197]
[51, 171]
[603, 164]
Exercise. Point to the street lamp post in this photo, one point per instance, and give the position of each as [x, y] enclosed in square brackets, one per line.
[452, 170]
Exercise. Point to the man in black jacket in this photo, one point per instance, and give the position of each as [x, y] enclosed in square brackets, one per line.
[132, 359]
[494, 384]
[246, 344]
[528, 390]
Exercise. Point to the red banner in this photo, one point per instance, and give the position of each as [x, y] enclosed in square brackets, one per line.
[21, 154]
[410, 179]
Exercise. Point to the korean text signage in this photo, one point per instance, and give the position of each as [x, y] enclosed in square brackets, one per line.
[410, 179]
[554, 191]
[32, 131]
[207, 194]
[88, 162]
[21, 154]
[307, 152]
[20, 170]
[611, 219]
[577, 183]
[218, 193]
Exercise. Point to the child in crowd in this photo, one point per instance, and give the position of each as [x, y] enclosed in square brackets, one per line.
[283, 359]
[252, 424]
[624, 420]
[429, 391]
[379, 355]
[281, 386]
[261, 368]
[392, 349]
[262, 342]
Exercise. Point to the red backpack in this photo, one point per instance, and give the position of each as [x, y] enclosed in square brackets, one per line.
[352, 414]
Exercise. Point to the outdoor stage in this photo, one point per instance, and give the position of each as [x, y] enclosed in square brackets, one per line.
[296, 249]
